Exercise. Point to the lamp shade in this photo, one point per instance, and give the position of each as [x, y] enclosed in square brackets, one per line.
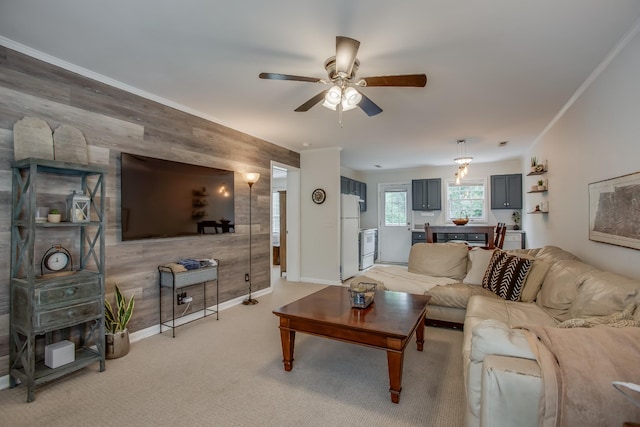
[351, 99]
[250, 177]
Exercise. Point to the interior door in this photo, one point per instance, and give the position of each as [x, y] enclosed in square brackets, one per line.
[394, 230]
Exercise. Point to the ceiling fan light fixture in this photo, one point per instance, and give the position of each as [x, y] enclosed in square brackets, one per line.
[350, 99]
[332, 98]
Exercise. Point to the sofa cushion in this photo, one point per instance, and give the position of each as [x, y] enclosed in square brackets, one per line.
[554, 253]
[560, 287]
[456, 294]
[506, 275]
[478, 262]
[603, 293]
[439, 259]
[513, 313]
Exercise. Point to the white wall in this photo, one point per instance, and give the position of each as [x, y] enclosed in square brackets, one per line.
[320, 224]
[597, 138]
[476, 170]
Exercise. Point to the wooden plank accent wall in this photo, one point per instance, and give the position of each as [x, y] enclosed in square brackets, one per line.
[112, 121]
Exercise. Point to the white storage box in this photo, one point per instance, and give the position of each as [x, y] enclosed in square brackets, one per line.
[59, 353]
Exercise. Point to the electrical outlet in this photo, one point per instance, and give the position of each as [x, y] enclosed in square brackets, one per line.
[180, 297]
[246, 277]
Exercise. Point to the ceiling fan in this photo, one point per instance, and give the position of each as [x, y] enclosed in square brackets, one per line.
[343, 95]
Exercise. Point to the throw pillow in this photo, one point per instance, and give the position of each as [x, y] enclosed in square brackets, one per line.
[479, 259]
[533, 284]
[439, 259]
[506, 275]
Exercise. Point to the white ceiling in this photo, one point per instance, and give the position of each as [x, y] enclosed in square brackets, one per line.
[497, 69]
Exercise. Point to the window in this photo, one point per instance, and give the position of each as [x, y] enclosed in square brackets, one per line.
[395, 208]
[467, 199]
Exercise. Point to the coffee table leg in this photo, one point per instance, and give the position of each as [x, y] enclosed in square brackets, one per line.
[395, 359]
[288, 339]
[420, 333]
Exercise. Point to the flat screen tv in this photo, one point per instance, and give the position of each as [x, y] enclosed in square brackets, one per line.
[162, 198]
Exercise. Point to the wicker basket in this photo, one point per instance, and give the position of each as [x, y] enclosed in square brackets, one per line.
[362, 294]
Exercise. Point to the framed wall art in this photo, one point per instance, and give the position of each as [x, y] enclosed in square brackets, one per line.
[614, 211]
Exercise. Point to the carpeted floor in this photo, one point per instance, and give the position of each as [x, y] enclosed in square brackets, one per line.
[229, 373]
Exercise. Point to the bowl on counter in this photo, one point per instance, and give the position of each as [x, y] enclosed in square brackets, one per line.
[461, 221]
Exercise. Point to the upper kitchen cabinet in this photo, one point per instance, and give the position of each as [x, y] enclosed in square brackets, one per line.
[351, 186]
[426, 194]
[506, 191]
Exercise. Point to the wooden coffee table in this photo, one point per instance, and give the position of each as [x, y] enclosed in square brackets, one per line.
[387, 324]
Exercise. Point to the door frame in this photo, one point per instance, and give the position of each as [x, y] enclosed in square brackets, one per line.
[380, 210]
[293, 220]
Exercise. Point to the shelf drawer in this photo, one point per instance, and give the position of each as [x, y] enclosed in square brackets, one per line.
[67, 293]
[476, 237]
[72, 314]
[456, 236]
[188, 278]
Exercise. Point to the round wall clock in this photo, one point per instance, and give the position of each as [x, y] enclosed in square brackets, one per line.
[318, 196]
[56, 258]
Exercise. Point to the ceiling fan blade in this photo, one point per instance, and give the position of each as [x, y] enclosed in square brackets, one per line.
[346, 51]
[313, 101]
[413, 80]
[368, 106]
[275, 76]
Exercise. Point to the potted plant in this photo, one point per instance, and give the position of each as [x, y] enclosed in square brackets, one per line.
[534, 164]
[115, 325]
[541, 185]
[515, 216]
[54, 216]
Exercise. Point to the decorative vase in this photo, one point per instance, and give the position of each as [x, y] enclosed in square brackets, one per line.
[117, 345]
[54, 217]
[516, 227]
[540, 187]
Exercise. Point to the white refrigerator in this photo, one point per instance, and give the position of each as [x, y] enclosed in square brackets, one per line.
[349, 228]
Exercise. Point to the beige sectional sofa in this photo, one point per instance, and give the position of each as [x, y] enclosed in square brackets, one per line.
[503, 379]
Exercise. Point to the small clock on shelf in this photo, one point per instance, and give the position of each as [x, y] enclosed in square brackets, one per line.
[56, 259]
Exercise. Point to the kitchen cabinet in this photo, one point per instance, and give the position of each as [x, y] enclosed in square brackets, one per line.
[358, 188]
[514, 240]
[506, 191]
[426, 194]
[418, 237]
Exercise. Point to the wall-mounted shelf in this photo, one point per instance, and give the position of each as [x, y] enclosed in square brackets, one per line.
[535, 190]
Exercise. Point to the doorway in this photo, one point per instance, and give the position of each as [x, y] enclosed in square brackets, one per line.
[394, 230]
[285, 221]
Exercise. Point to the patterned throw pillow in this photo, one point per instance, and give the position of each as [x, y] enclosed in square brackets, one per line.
[506, 275]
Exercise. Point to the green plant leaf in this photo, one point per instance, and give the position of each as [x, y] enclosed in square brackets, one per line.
[117, 320]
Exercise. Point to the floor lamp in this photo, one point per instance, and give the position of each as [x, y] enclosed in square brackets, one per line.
[250, 178]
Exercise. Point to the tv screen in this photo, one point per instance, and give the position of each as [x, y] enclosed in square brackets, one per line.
[162, 198]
